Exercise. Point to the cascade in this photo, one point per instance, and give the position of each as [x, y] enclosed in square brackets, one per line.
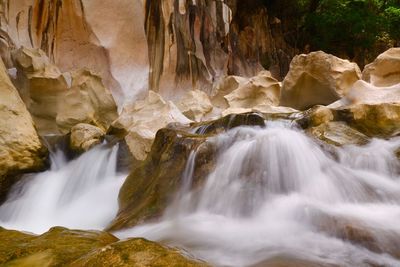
[79, 194]
[276, 194]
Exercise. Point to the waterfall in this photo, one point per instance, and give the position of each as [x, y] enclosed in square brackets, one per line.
[276, 195]
[80, 194]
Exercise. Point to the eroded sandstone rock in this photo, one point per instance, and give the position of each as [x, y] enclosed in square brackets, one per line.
[21, 150]
[259, 90]
[195, 105]
[317, 79]
[85, 136]
[141, 121]
[58, 101]
[385, 70]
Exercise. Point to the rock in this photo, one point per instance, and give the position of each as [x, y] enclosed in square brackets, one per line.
[365, 93]
[41, 85]
[85, 136]
[59, 246]
[87, 101]
[259, 90]
[316, 116]
[136, 252]
[21, 150]
[338, 134]
[225, 87]
[143, 119]
[64, 247]
[374, 120]
[59, 101]
[195, 104]
[154, 183]
[385, 70]
[317, 79]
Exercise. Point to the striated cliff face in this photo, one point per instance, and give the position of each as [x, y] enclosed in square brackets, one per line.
[195, 43]
[138, 44]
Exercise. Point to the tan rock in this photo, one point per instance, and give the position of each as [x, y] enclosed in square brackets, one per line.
[317, 79]
[85, 136]
[86, 101]
[195, 104]
[59, 101]
[225, 87]
[143, 119]
[20, 148]
[365, 93]
[385, 70]
[259, 90]
[338, 134]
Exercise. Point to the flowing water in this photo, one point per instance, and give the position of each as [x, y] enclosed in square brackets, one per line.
[276, 197]
[78, 194]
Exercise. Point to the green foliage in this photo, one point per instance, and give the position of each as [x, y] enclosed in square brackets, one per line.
[346, 26]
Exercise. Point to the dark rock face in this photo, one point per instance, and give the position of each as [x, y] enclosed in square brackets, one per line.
[199, 43]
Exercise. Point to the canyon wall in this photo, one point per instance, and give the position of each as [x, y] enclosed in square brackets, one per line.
[138, 44]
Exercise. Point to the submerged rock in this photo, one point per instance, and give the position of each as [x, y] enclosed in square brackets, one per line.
[64, 247]
[317, 79]
[385, 70]
[21, 150]
[85, 136]
[155, 182]
[338, 134]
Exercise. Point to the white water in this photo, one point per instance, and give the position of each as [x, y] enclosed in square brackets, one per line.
[275, 194]
[80, 194]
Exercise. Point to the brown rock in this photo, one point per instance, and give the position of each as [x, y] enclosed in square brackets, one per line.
[317, 79]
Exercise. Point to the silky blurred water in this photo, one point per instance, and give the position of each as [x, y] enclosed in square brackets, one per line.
[78, 194]
[275, 194]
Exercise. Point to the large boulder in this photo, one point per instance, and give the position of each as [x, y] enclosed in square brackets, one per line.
[154, 183]
[375, 111]
[58, 101]
[317, 79]
[85, 136]
[195, 105]
[21, 150]
[141, 121]
[385, 70]
[64, 247]
[87, 101]
[225, 87]
[259, 90]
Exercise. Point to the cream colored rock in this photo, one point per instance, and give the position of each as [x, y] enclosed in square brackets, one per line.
[86, 101]
[58, 101]
[195, 104]
[265, 109]
[385, 70]
[365, 93]
[85, 136]
[317, 79]
[259, 90]
[225, 87]
[143, 119]
[20, 148]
